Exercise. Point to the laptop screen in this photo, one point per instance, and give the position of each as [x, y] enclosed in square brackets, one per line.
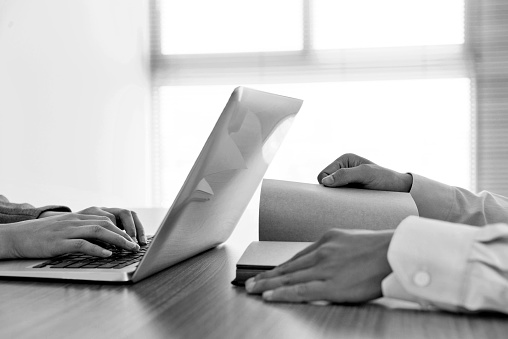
[224, 177]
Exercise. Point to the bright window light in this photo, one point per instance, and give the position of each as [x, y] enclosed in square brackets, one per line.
[407, 125]
[374, 23]
[230, 26]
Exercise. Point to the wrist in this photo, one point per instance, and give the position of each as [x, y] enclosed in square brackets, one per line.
[6, 242]
[47, 214]
[406, 182]
[384, 239]
[378, 265]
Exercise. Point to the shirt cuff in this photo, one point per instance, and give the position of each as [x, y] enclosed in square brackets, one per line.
[50, 208]
[428, 262]
[11, 213]
[433, 199]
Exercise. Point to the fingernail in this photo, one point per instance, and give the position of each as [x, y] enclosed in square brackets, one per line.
[327, 180]
[106, 253]
[267, 295]
[143, 240]
[249, 284]
[133, 245]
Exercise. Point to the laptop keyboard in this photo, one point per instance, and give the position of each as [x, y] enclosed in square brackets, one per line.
[119, 259]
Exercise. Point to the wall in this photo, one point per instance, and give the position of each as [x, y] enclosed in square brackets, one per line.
[74, 102]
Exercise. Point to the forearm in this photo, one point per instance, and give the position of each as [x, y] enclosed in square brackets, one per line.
[439, 201]
[6, 242]
[14, 212]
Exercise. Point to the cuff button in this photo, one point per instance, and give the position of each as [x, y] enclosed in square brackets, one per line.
[421, 279]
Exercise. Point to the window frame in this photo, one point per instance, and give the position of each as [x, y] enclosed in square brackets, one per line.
[359, 64]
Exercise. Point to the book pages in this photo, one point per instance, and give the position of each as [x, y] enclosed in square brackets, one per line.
[293, 211]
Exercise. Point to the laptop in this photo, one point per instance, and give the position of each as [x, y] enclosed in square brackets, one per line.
[210, 203]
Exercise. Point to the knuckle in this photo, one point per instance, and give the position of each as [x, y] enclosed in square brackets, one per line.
[282, 269]
[324, 252]
[286, 279]
[329, 235]
[301, 291]
[96, 229]
[105, 222]
[347, 158]
[125, 213]
[79, 244]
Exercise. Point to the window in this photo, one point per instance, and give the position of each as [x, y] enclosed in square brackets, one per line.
[376, 78]
[230, 26]
[370, 23]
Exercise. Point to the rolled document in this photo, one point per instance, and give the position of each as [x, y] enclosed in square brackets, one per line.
[293, 211]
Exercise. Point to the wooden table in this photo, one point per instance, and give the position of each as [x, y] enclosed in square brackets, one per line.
[195, 299]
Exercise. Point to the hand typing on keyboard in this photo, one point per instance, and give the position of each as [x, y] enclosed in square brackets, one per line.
[122, 218]
[63, 233]
[119, 259]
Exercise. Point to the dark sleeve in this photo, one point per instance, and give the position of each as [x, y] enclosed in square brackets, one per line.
[11, 212]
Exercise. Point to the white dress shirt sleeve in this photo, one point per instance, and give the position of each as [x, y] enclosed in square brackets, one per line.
[449, 264]
[442, 202]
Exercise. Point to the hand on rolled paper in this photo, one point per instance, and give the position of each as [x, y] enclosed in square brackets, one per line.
[354, 171]
[344, 266]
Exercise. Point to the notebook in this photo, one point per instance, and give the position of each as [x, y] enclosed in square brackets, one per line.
[212, 199]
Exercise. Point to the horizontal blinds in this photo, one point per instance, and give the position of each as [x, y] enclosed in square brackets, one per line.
[446, 61]
[307, 65]
[489, 42]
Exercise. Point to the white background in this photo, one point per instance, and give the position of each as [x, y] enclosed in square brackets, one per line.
[74, 102]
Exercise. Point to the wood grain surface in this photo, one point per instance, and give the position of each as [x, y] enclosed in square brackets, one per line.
[195, 299]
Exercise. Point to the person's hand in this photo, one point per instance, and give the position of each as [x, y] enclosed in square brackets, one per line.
[122, 218]
[344, 266]
[354, 171]
[60, 234]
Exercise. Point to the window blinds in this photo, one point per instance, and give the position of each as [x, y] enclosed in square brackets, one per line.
[314, 65]
[487, 35]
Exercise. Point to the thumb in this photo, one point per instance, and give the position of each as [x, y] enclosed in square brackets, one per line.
[344, 176]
